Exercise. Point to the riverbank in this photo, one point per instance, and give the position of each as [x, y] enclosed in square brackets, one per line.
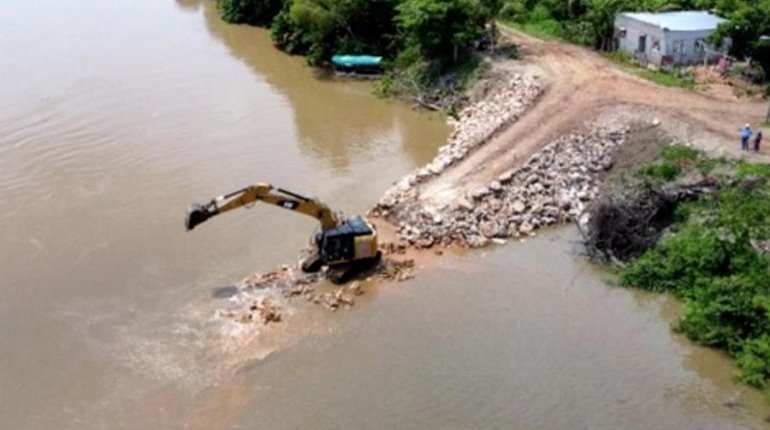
[699, 228]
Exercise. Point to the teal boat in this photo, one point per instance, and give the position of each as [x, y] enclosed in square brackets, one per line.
[357, 64]
[356, 61]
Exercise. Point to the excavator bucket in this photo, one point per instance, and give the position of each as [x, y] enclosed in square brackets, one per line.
[196, 214]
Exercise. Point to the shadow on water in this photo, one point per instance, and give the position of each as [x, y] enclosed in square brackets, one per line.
[334, 118]
[224, 292]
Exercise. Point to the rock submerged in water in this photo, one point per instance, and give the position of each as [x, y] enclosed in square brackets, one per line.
[264, 297]
[526, 228]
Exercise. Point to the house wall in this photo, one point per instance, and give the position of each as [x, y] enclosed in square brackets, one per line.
[655, 41]
[682, 46]
[678, 47]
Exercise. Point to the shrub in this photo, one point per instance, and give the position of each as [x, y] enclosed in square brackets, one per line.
[677, 264]
[254, 12]
[724, 313]
[666, 170]
[754, 361]
[679, 153]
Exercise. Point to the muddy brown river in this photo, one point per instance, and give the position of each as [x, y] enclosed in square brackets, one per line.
[114, 116]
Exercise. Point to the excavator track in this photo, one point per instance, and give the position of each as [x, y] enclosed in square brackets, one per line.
[343, 273]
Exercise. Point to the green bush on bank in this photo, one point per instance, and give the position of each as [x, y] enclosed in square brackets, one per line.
[673, 160]
[712, 262]
[254, 12]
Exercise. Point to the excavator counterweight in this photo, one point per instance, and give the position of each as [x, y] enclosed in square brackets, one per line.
[347, 247]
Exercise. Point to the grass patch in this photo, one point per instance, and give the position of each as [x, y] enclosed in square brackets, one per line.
[678, 78]
[680, 153]
[674, 159]
[750, 169]
[707, 165]
[549, 30]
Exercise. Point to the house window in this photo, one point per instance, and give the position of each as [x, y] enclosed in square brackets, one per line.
[621, 32]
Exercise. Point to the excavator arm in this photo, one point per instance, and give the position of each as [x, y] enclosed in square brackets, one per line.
[265, 193]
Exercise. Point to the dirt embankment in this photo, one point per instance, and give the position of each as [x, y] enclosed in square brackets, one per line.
[551, 187]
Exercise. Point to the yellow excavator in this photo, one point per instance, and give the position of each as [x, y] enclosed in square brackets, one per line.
[347, 247]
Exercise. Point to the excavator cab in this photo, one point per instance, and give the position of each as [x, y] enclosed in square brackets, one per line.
[349, 249]
[350, 241]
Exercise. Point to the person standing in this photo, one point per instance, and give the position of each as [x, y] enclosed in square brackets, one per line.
[757, 140]
[745, 136]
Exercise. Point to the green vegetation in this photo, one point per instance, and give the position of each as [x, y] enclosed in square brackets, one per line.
[405, 32]
[674, 159]
[714, 259]
[678, 78]
[591, 22]
[545, 30]
[254, 12]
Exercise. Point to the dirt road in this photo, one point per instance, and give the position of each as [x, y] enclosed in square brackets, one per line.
[582, 86]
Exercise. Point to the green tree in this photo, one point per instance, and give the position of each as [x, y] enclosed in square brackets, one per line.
[440, 29]
[349, 26]
[656, 5]
[254, 12]
[747, 22]
[601, 16]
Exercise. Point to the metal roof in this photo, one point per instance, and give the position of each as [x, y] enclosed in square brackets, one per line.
[679, 21]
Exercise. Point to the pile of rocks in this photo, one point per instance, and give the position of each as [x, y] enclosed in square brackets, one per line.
[396, 270]
[510, 96]
[553, 186]
[335, 300]
[262, 310]
[263, 297]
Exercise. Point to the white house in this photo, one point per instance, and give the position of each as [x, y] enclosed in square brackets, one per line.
[667, 38]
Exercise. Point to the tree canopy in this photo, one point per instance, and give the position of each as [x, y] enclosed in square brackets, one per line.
[439, 28]
[436, 29]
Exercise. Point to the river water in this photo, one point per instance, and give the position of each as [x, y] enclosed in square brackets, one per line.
[114, 116]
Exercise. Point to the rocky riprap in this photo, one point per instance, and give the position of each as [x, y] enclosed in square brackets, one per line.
[553, 186]
[507, 99]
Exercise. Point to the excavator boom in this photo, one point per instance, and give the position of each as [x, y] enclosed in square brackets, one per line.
[266, 193]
